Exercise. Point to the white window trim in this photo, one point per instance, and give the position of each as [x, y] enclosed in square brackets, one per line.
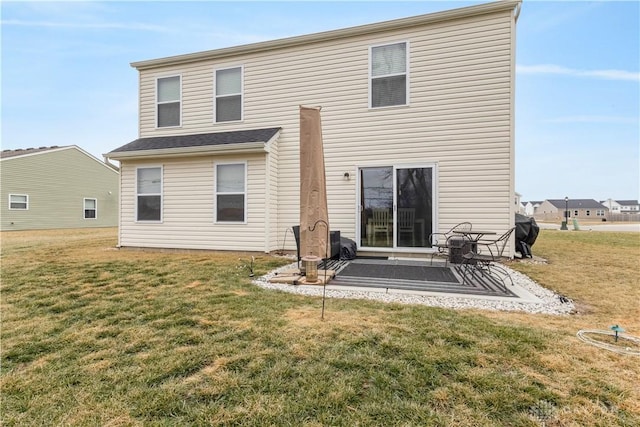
[84, 207]
[166, 102]
[215, 192]
[26, 196]
[406, 73]
[215, 96]
[152, 221]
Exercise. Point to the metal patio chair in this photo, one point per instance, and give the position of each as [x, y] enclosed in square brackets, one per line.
[486, 254]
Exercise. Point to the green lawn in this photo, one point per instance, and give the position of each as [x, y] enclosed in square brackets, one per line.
[92, 335]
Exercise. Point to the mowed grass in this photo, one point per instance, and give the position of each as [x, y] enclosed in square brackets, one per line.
[92, 335]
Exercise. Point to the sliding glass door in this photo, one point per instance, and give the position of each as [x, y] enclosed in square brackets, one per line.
[396, 206]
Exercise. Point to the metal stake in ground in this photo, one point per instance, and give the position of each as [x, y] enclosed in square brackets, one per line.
[324, 282]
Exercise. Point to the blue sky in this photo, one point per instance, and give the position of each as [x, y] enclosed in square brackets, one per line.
[66, 77]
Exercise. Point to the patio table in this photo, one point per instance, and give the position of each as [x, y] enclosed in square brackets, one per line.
[475, 235]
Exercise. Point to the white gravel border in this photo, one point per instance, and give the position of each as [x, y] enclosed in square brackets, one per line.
[544, 301]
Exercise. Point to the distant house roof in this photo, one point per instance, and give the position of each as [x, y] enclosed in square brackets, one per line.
[196, 143]
[627, 202]
[5, 154]
[577, 204]
[23, 152]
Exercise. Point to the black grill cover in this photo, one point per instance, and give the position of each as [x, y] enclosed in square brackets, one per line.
[526, 229]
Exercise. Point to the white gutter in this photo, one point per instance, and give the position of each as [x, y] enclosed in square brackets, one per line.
[242, 148]
[516, 13]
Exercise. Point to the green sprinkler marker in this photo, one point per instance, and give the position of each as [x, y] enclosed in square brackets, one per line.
[616, 329]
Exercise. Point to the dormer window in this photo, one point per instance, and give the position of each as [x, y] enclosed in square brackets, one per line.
[389, 82]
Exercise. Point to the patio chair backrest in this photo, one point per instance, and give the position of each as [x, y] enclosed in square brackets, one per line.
[501, 242]
[463, 226]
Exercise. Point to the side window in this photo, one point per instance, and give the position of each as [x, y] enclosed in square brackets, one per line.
[90, 208]
[149, 194]
[228, 98]
[168, 99]
[389, 82]
[19, 202]
[231, 192]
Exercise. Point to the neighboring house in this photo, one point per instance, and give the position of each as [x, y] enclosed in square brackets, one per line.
[417, 121]
[554, 209]
[622, 206]
[531, 207]
[57, 187]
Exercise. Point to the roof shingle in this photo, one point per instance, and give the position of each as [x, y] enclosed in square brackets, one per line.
[199, 140]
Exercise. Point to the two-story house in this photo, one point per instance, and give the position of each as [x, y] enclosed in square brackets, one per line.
[56, 187]
[417, 116]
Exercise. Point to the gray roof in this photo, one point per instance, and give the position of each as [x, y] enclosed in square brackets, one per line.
[199, 140]
[24, 151]
[627, 202]
[577, 204]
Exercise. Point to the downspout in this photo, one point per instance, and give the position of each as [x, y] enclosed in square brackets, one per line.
[516, 13]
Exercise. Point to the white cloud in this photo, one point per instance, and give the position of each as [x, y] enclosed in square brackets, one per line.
[560, 70]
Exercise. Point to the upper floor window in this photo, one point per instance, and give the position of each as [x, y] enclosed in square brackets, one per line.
[90, 208]
[168, 97]
[149, 194]
[389, 80]
[19, 201]
[228, 98]
[230, 192]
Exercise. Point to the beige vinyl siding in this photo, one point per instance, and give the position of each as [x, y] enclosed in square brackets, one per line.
[188, 207]
[57, 182]
[459, 116]
[271, 204]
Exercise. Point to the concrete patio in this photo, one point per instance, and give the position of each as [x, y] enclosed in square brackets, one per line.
[401, 282]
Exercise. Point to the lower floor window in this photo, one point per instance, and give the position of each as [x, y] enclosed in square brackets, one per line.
[149, 193]
[230, 192]
[90, 208]
[18, 201]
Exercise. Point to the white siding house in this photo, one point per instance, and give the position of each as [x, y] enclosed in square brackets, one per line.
[417, 121]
